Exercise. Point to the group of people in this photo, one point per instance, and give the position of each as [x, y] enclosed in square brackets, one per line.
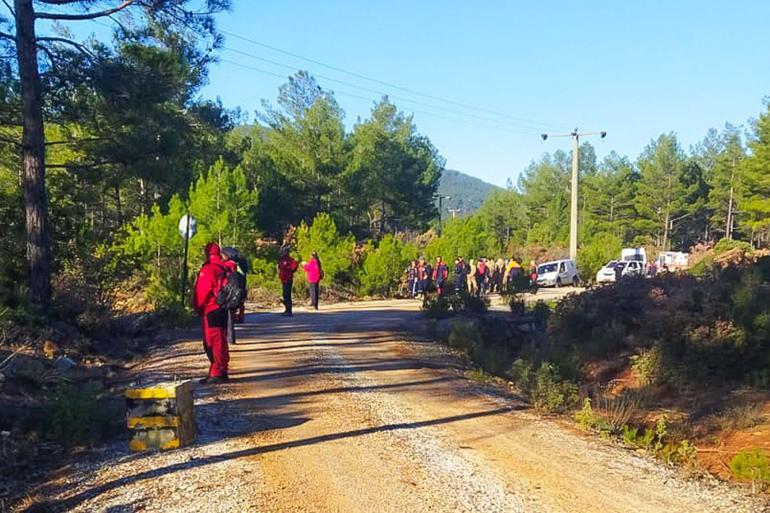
[476, 277]
[219, 297]
[314, 273]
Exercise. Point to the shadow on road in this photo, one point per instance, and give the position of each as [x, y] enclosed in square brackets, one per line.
[253, 451]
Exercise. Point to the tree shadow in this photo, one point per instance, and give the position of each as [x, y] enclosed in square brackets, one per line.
[77, 499]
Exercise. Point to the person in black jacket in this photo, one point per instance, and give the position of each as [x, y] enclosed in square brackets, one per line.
[461, 275]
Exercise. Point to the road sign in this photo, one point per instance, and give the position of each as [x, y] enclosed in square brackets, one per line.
[186, 230]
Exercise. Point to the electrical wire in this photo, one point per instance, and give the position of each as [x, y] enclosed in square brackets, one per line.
[385, 83]
[384, 93]
[369, 99]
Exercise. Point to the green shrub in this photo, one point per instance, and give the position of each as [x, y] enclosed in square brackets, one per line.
[522, 373]
[550, 393]
[647, 365]
[473, 304]
[81, 415]
[383, 268]
[544, 386]
[435, 307]
[597, 251]
[725, 245]
[586, 417]
[541, 311]
[753, 465]
[334, 250]
[517, 305]
[465, 337]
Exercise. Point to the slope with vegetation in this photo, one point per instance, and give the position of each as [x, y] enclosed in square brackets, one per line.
[463, 194]
[676, 366]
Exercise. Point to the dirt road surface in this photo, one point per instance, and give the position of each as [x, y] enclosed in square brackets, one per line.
[333, 411]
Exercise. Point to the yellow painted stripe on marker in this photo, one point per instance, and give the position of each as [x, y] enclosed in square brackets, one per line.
[150, 393]
[137, 445]
[152, 422]
[171, 444]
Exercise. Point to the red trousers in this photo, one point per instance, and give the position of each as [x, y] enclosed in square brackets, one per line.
[215, 345]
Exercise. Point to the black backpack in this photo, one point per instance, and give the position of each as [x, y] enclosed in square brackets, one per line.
[233, 292]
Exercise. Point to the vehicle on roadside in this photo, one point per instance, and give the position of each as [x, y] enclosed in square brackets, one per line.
[558, 274]
[633, 255]
[634, 268]
[607, 273]
[672, 260]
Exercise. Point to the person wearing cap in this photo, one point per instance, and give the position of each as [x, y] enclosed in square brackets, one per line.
[213, 318]
[233, 263]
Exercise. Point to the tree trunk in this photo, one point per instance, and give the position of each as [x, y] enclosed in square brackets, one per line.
[33, 156]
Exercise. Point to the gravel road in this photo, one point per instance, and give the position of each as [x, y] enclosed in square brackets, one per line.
[333, 411]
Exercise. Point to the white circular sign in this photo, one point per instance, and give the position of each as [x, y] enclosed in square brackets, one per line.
[184, 229]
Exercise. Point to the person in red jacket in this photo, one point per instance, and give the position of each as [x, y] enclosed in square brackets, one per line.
[213, 318]
[287, 266]
[440, 274]
[314, 274]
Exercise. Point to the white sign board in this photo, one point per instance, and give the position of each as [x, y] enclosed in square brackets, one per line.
[184, 229]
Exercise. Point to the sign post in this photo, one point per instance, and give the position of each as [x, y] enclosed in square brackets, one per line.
[187, 228]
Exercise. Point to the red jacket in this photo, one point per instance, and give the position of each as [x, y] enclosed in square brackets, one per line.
[313, 271]
[440, 273]
[210, 280]
[287, 266]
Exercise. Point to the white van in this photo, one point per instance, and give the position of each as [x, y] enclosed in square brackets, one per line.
[557, 274]
[633, 255]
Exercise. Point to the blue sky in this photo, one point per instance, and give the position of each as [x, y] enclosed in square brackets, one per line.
[633, 68]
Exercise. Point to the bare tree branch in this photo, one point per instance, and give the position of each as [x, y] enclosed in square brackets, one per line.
[70, 42]
[84, 16]
[74, 141]
[9, 7]
[6, 35]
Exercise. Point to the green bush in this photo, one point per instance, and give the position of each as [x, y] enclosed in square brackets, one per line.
[725, 245]
[647, 365]
[597, 251]
[221, 202]
[435, 307]
[384, 267]
[465, 337]
[684, 331]
[544, 386]
[334, 250]
[81, 415]
[753, 465]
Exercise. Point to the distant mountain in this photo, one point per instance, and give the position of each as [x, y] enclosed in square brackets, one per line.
[466, 192]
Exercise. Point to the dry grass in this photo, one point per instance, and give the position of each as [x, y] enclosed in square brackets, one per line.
[739, 416]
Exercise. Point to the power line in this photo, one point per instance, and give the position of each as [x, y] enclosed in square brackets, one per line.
[387, 84]
[380, 92]
[369, 99]
[520, 128]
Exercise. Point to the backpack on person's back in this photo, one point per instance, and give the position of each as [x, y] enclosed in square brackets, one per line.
[232, 293]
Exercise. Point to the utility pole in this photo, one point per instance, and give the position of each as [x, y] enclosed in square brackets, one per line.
[729, 226]
[573, 211]
[440, 198]
[454, 211]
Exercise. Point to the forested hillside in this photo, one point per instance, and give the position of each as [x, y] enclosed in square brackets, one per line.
[463, 194]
